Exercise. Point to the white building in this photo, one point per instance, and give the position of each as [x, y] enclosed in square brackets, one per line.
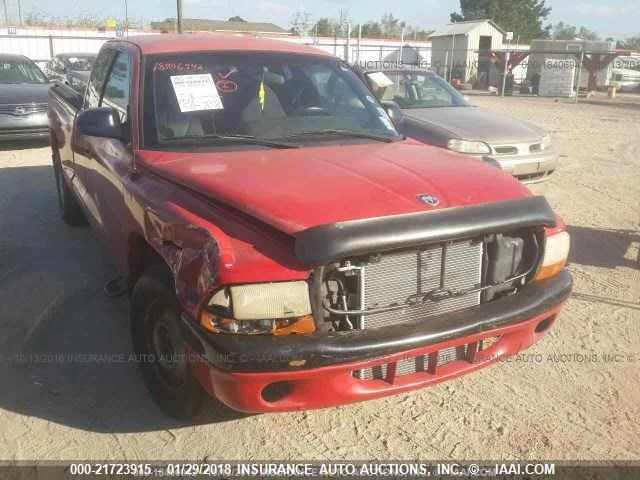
[462, 49]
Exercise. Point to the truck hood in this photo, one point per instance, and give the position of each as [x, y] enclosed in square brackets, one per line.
[24, 93]
[475, 123]
[296, 189]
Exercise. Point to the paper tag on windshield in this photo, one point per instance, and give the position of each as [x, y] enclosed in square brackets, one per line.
[196, 92]
[380, 79]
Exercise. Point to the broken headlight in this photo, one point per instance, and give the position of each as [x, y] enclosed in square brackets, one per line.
[260, 308]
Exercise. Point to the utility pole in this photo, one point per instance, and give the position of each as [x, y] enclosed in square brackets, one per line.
[359, 40]
[6, 12]
[179, 19]
[347, 53]
[401, 54]
[126, 19]
[453, 50]
[19, 13]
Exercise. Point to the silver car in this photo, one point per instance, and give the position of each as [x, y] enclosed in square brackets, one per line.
[23, 99]
[432, 111]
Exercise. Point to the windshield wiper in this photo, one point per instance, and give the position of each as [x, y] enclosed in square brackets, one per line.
[342, 133]
[242, 139]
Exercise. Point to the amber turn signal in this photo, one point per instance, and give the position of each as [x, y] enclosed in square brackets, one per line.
[556, 252]
[549, 271]
[281, 326]
[304, 324]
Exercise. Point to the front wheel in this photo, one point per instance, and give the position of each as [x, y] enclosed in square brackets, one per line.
[70, 210]
[160, 347]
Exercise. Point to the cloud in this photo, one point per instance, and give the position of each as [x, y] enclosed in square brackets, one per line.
[603, 10]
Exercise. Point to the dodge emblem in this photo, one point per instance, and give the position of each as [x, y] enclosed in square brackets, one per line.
[430, 200]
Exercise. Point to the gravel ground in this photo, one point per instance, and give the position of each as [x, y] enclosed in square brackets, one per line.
[575, 395]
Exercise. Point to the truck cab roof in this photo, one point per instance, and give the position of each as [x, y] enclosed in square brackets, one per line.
[176, 43]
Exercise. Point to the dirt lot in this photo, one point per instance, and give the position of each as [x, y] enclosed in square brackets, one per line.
[575, 395]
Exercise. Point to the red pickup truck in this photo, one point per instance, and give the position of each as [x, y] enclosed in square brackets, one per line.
[284, 246]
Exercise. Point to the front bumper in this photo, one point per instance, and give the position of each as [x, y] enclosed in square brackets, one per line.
[24, 127]
[530, 166]
[24, 134]
[316, 371]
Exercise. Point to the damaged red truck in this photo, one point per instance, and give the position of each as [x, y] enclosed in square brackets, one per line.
[284, 246]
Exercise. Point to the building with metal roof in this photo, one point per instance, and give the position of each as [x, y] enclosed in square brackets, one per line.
[205, 25]
[463, 49]
[461, 28]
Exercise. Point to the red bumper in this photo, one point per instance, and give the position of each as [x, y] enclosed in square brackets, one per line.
[336, 384]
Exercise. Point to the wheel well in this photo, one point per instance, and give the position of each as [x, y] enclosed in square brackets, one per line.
[142, 256]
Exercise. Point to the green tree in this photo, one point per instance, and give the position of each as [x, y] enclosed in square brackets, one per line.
[416, 33]
[632, 43]
[391, 26]
[371, 29]
[300, 24]
[564, 31]
[523, 17]
[82, 20]
[236, 18]
[587, 34]
[323, 28]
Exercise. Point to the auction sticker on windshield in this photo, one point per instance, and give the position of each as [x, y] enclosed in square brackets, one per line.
[196, 92]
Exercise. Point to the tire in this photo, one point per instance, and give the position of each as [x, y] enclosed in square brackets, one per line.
[155, 330]
[70, 210]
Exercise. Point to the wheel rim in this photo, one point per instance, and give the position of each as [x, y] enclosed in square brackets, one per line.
[166, 346]
[163, 346]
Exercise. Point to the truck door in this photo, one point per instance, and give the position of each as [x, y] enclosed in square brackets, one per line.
[108, 161]
[82, 145]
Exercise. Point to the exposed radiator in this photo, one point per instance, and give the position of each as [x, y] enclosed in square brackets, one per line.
[399, 276]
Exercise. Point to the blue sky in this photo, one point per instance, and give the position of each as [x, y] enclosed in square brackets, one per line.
[615, 18]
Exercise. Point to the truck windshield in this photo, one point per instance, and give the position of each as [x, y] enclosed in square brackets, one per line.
[20, 71]
[415, 89]
[204, 99]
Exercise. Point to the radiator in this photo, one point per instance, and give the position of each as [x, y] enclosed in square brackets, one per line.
[397, 277]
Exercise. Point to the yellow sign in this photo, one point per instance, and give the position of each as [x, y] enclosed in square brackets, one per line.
[111, 23]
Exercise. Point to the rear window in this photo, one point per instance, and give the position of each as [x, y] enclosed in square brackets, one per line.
[20, 71]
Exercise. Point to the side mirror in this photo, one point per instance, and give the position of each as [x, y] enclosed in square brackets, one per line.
[394, 112]
[100, 122]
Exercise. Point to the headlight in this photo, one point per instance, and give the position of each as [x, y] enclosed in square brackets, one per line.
[556, 252]
[545, 143]
[276, 308]
[468, 146]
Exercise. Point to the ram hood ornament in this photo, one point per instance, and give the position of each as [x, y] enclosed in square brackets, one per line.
[427, 199]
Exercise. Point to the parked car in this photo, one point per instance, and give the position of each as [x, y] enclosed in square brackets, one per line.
[23, 99]
[626, 79]
[434, 112]
[71, 68]
[286, 248]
